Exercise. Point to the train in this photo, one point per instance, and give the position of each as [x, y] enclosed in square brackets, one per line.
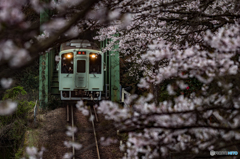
[80, 71]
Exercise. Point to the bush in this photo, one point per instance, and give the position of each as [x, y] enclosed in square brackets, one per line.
[23, 106]
[14, 125]
[29, 78]
[14, 92]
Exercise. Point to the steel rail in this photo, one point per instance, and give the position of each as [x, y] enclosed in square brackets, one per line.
[67, 112]
[73, 150]
[96, 117]
[94, 132]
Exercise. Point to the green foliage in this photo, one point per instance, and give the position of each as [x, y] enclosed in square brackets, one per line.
[19, 153]
[28, 78]
[22, 109]
[29, 81]
[18, 120]
[14, 92]
[194, 86]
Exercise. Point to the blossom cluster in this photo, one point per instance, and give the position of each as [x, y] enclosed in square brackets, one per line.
[153, 40]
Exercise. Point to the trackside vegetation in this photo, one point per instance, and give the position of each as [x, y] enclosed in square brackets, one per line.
[13, 127]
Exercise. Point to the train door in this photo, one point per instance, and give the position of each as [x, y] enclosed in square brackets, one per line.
[81, 73]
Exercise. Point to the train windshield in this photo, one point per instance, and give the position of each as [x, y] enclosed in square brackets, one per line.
[67, 63]
[81, 66]
[95, 61]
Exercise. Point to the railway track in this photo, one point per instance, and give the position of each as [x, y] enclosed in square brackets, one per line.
[95, 154]
[94, 131]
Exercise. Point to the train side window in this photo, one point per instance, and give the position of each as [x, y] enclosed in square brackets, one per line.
[81, 66]
[67, 63]
[95, 63]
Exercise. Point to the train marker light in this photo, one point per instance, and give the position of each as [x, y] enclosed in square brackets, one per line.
[93, 56]
[81, 53]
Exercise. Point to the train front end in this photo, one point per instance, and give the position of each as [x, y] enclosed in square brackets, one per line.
[80, 71]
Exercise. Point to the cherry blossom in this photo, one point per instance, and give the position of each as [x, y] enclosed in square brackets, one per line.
[80, 106]
[6, 83]
[107, 142]
[69, 144]
[7, 107]
[33, 153]
[71, 131]
[67, 155]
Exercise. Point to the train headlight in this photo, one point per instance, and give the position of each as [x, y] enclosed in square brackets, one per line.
[93, 56]
[69, 56]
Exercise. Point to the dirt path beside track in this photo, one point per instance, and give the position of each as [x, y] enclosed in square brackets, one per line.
[52, 134]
